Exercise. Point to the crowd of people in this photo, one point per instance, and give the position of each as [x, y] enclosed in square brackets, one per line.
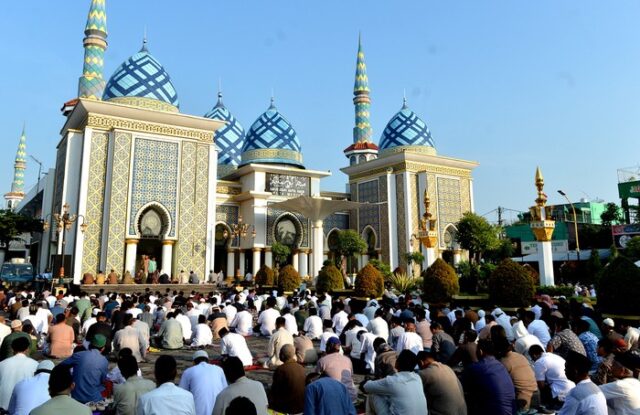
[556, 356]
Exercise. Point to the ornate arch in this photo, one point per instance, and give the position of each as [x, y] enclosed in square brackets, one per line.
[229, 242]
[162, 212]
[376, 240]
[449, 236]
[296, 223]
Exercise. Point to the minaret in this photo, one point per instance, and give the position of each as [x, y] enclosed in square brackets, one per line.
[91, 83]
[362, 149]
[17, 186]
[543, 226]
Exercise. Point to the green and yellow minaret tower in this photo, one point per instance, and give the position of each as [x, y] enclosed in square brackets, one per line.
[17, 186]
[362, 149]
[91, 83]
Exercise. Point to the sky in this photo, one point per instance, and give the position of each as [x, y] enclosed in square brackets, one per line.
[511, 85]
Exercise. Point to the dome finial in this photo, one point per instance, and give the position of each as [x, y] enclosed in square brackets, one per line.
[404, 99]
[144, 41]
[272, 105]
[219, 91]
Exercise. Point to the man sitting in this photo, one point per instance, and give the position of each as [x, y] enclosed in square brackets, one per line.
[239, 385]
[60, 387]
[279, 338]
[233, 344]
[287, 388]
[167, 398]
[441, 386]
[586, 398]
[125, 395]
[204, 381]
[337, 366]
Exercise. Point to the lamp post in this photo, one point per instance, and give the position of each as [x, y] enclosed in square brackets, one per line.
[63, 222]
[239, 230]
[575, 222]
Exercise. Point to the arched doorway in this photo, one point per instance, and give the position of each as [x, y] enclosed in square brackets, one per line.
[221, 246]
[449, 238]
[369, 235]
[152, 227]
[332, 244]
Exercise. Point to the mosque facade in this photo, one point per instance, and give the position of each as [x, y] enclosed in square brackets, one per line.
[197, 192]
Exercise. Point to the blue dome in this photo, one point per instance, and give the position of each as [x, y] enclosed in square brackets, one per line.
[230, 137]
[406, 132]
[142, 81]
[272, 139]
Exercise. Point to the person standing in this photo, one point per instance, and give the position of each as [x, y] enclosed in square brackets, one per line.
[126, 395]
[89, 371]
[60, 387]
[204, 381]
[287, 387]
[167, 398]
[14, 369]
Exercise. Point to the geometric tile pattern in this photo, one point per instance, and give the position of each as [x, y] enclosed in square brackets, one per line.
[362, 130]
[141, 76]
[91, 83]
[414, 200]
[155, 179]
[272, 216]
[369, 215]
[201, 204]
[401, 219]
[230, 137]
[61, 156]
[362, 81]
[336, 221]
[449, 209]
[17, 186]
[405, 129]
[95, 203]
[384, 219]
[229, 215]
[272, 131]
[118, 201]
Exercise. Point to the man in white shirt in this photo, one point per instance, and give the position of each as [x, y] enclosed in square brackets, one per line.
[230, 311]
[204, 381]
[167, 398]
[549, 370]
[622, 395]
[243, 322]
[586, 398]
[537, 327]
[409, 340]
[90, 321]
[240, 385]
[31, 392]
[340, 319]
[15, 369]
[5, 330]
[290, 322]
[129, 337]
[267, 319]
[524, 340]
[185, 323]
[313, 324]
[233, 344]
[368, 348]
[202, 335]
[379, 325]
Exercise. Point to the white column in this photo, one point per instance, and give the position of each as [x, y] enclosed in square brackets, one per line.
[294, 260]
[365, 260]
[545, 264]
[256, 260]
[230, 263]
[130, 256]
[429, 257]
[318, 245]
[268, 257]
[241, 264]
[303, 268]
[167, 257]
[408, 212]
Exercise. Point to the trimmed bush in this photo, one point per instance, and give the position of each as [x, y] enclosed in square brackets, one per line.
[619, 288]
[511, 285]
[440, 282]
[556, 291]
[535, 276]
[265, 276]
[369, 282]
[383, 267]
[289, 279]
[329, 279]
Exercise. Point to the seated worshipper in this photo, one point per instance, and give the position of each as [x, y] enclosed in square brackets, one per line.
[31, 392]
[396, 330]
[549, 369]
[564, 339]
[60, 386]
[16, 331]
[589, 341]
[337, 366]
[385, 359]
[217, 320]
[400, 393]
[623, 394]
[234, 345]
[423, 328]
[313, 324]
[287, 387]
[442, 343]
[467, 352]
[326, 335]
[537, 327]
[204, 381]
[185, 323]
[409, 340]
[61, 338]
[306, 353]
[167, 398]
[279, 338]
[241, 406]
[89, 371]
[267, 318]
[14, 369]
[367, 350]
[524, 339]
[379, 325]
[170, 334]
[606, 350]
[239, 385]
[586, 398]
[115, 376]
[324, 395]
[487, 384]
[202, 335]
[290, 321]
[242, 321]
[126, 395]
[340, 318]
[441, 386]
[131, 338]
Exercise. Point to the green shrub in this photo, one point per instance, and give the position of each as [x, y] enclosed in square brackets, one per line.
[329, 279]
[381, 266]
[557, 291]
[265, 276]
[440, 282]
[535, 275]
[401, 282]
[289, 279]
[511, 285]
[369, 282]
[619, 288]
[469, 275]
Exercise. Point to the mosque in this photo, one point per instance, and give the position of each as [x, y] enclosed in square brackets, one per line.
[198, 192]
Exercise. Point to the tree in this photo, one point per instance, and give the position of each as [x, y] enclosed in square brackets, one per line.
[612, 215]
[440, 282]
[348, 243]
[289, 279]
[13, 224]
[369, 282]
[594, 267]
[505, 250]
[619, 288]
[511, 285]
[280, 252]
[632, 250]
[476, 235]
[329, 279]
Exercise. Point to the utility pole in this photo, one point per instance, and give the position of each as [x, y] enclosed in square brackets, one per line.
[500, 216]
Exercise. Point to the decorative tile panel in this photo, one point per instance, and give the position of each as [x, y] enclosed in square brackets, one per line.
[119, 194]
[336, 220]
[155, 179]
[368, 192]
[384, 219]
[449, 209]
[185, 247]
[415, 200]
[61, 157]
[465, 195]
[227, 214]
[95, 203]
[401, 221]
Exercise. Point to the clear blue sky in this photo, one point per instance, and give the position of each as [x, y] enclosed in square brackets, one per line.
[508, 84]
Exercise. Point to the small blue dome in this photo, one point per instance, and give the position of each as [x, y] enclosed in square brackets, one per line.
[142, 81]
[272, 139]
[230, 137]
[406, 131]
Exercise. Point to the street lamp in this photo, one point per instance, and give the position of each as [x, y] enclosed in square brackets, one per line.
[575, 222]
[63, 222]
[239, 230]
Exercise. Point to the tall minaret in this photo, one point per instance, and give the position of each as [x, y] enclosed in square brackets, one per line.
[362, 149]
[543, 226]
[91, 83]
[17, 186]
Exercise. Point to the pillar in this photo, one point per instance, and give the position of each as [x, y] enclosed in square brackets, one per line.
[167, 256]
[318, 245]
[545, 263]
[429, 257]
[268, 257]
[241, 264]
[130, 255]
[365, 260]
[256, 260]
[303, 268]
[294, 260]
[230, 263]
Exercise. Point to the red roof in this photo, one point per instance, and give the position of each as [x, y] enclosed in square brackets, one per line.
[362, 145]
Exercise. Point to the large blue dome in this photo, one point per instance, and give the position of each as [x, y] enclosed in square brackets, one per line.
[272, 139]
[406, 132]
[142, 81]
[230, 137]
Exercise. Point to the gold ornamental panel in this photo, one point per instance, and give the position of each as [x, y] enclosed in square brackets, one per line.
[108, 123]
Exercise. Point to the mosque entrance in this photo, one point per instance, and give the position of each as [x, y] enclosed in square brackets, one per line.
[152, 228]
[220, 255]
[152, 248]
